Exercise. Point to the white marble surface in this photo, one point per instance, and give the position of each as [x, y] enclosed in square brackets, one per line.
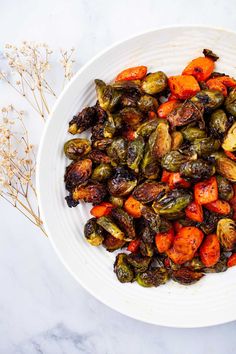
[42, 308]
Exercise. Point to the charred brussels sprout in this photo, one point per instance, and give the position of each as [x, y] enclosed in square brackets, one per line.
[131, 116]
[152, 218]
[176, 140]
[225, 189]
[173, 160]
[124, 221]
[146, 249]
[138, 262]
[205, 146]
[102, 144]
[172, 202]
[92, 192]
[186, 276]
[210, 222]
[117, 151]
[197, 170]
[149, 165]
[226, 167]
[93, 233]
[135, 153]
[191, 133]
[165, 225]
[84, 120]
[102, 172]
[122, 183]
[123, 269]
[218, 123]
[229, 143]
[230, 102]
[194, 264]
[108, 224]
[98, 156]
[153, 277]
[117, 201]
[187, 113]
[147, 103]
[226, 232]
[77, 148]
[77, 173]
[112, 244]
[160, 140]
[149, 190]
[211, 99]
[146, 128]
[154, 83]
[108, 97]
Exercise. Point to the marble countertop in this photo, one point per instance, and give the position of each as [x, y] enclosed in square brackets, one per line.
[42, 308]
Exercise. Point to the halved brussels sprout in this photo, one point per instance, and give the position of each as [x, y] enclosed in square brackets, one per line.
[186, 276]
[131, 116]
[146, 234]
[117, 151]
[125, 222]
[102, 144]
[165, 225]
[123, 269]
[172, 202]
[98, 156]
[107, 96]
[84, 120]
[146, 249]
[135, 153]
[102, 172]
[211, 99]
[149, 190]
[74, 149]
[191, 133]
[187, 113]
[146, 128]
[226, 167]
[194, 264]
[147, 103]
[225, 189]
[218, 123]
[112, 244]
[93, 233]
[154, 83]
[205, 146]
[138, 262]
[108, 224]
[173, 160]
[153, 277]
[122, 183]
[208, 226]
[93, 192]
[197, 170]
[77, 173]
[226, 232]
[149, 165]
[153, 220]
[229, 143]
[160, 140]
[230, 102]
[176, 140]
[116, 201]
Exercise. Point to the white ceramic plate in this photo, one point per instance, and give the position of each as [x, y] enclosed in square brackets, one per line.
[212, 300]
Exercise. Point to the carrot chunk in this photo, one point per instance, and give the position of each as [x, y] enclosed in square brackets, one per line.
[201, 68]
[219, 206]
[206, 192]
[164, 240]
[102, 209]
[183, 86]
[194, 212]
[133, 207]
[176, 181]
[216, 84]
[165, 176]
[166, 108]
[210, 250]
[227, 81]
[134, 246]
[232, 260]
[230, 155]
[135, 73]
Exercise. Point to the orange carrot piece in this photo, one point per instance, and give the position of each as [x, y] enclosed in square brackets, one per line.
[230, 155]
[101, 210]
[177, 226]
[227, 81]
[216, 84]
[210, 250]
[206, 192]
[194, 212]
[133, 246]
[201, 68]
[165, 176]
[219, 206]
[183, 86]
[233, 202]
[166, 108]
[175, 181]
[152, 115]
[232, 260]
[129, 134]
[135, 73]
[133, 207]
[164, 240]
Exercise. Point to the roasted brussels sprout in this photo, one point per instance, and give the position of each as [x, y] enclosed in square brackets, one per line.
[149, 190]
[102, 172]
[146, 128]
[125, 222]
[123, 269]
[187, 113]
[117, 201]
[153, 277]
[77, 173]
[173, 160]
[225, 189]
[172, 202]
[205, 146]
[229, 143]
[149, 165]
[146, 234]
[128, 87]
[226, 232]
[102, 144]
[76, 148]
[146, 249]
[165, 225]
[117, 151]
[122, 183]
[131, 116]
[210, 222]
[194, 264]
[112, 244]
[218, 123]
[93, 233]
[176, 140]
[84, 120]
[93, 192]
[186, 276]
[226, 167]
[211, 99]
[191, 133]
[154, 83]
[108, 224]
[160, 140]
[108, 97]
[153, 220]
[230, 103]
[197, 170]
[147, 103]
[135, 153]
[98, 132]
[138, 262]
[98, 156]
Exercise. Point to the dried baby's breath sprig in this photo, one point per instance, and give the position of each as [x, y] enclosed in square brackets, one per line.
[67, 62]
[17, 165]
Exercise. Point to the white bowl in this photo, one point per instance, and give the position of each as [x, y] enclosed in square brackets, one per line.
[213, 299]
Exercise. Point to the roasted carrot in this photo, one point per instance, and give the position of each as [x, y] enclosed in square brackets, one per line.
[230, 155]
[216, 84]
[135, 73]
[177, 226]
[164, 240]
[133, 207]
[102, 209]
[172, 97]
[206, 192]
[167, 107]
[134, 246]
[219, 206]
[201, 68]
[129, 134]
[176, 181]
[227, 81]
[183, 86]
[210, 250]
[194, 212]
[165, 176]
[152, 115]
[233, 202]
[232, 260]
